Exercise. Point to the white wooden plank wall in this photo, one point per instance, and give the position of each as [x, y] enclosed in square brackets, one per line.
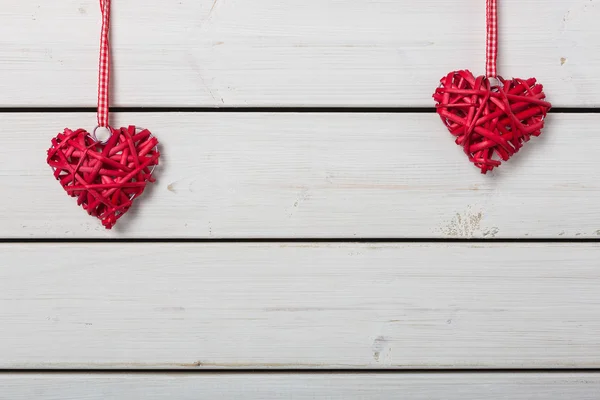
[300, 305]
[529, 386]
[335, 147]
[293, 53]
[274, 175]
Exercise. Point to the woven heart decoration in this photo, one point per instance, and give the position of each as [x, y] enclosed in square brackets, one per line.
[490, 122]
[104, 177]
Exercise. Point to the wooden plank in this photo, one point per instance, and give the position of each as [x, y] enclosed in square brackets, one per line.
[285, 305]
[455, 386]
[231, 175]
[297, 53]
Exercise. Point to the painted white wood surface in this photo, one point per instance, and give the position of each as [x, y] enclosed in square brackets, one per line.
[282, 305]
[314, 175]
[455, 386]
[292, 53]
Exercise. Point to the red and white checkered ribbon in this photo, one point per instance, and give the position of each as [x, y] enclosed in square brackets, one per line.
[492, 38]
[104, 67]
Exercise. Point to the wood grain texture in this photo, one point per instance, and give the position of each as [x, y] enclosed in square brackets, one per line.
[261, 175]
[283, 305]
[456, 386]
[292, 53]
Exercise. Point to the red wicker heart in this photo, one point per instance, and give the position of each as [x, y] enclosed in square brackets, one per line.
[490, 122]
[105, 178]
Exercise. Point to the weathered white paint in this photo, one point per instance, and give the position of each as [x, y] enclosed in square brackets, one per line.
[455, 386]
[308, 305]
[314, 175]
[283, 305]
[297, 52]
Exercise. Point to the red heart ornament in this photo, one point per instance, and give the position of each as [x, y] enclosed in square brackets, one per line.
[490, 122]
[105, 177]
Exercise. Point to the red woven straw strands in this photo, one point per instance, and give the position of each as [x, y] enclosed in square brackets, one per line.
[105, 178]
[104, 65]
[491, 38]
[490, 122]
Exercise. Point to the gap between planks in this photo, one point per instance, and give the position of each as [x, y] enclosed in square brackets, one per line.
[290, 110]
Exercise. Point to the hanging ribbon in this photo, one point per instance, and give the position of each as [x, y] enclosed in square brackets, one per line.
[104, 66]
[492, 38]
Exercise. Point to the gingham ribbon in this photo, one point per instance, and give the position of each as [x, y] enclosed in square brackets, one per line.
[104, 67]
[492, 38]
